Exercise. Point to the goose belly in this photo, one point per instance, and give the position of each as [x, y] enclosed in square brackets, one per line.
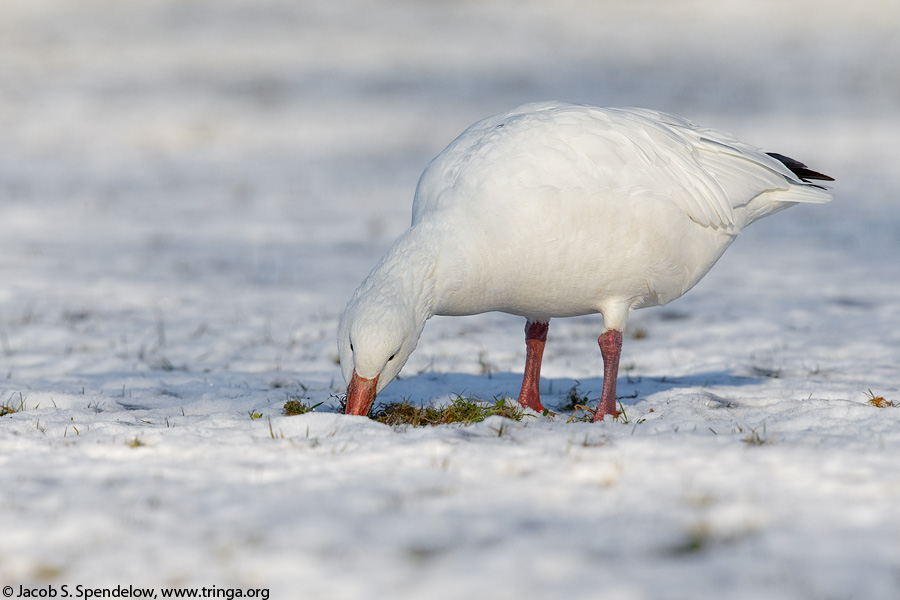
[576, 263]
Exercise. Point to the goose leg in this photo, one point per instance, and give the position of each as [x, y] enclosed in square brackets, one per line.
[610, 348]
[535, 338]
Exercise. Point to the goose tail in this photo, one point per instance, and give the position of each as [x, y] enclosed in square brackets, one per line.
[806, 190]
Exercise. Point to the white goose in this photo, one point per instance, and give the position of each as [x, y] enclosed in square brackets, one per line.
[557, 210]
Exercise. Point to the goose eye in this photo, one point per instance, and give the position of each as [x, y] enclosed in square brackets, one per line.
[392, 357]
[351, 346]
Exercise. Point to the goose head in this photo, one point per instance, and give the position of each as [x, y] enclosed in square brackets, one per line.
[375, 339]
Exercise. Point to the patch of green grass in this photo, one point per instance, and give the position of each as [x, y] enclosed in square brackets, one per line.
[461, 410]
[622, 417]
[582, 413]
[577, 403]
[697, 539]
[754, 438]
[9, 407]
[701, 537]
[879, 401]
[574, 399]
[294, 407]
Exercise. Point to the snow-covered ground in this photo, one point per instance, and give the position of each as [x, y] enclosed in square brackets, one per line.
[190, 191]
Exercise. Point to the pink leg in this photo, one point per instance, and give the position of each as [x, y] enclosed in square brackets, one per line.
[535, 338]
[610, 348]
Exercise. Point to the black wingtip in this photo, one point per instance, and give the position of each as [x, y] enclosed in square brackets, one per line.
[799, 169]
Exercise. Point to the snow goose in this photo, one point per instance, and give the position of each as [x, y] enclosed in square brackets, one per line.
[557, 210]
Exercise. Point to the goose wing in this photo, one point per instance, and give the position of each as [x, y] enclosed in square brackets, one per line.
[707, 173]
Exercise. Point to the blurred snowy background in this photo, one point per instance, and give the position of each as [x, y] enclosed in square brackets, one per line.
[191, 189]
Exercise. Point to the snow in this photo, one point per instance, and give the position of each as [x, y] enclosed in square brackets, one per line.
[191, 191]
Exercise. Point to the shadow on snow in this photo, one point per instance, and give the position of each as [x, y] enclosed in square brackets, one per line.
[555, 392]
